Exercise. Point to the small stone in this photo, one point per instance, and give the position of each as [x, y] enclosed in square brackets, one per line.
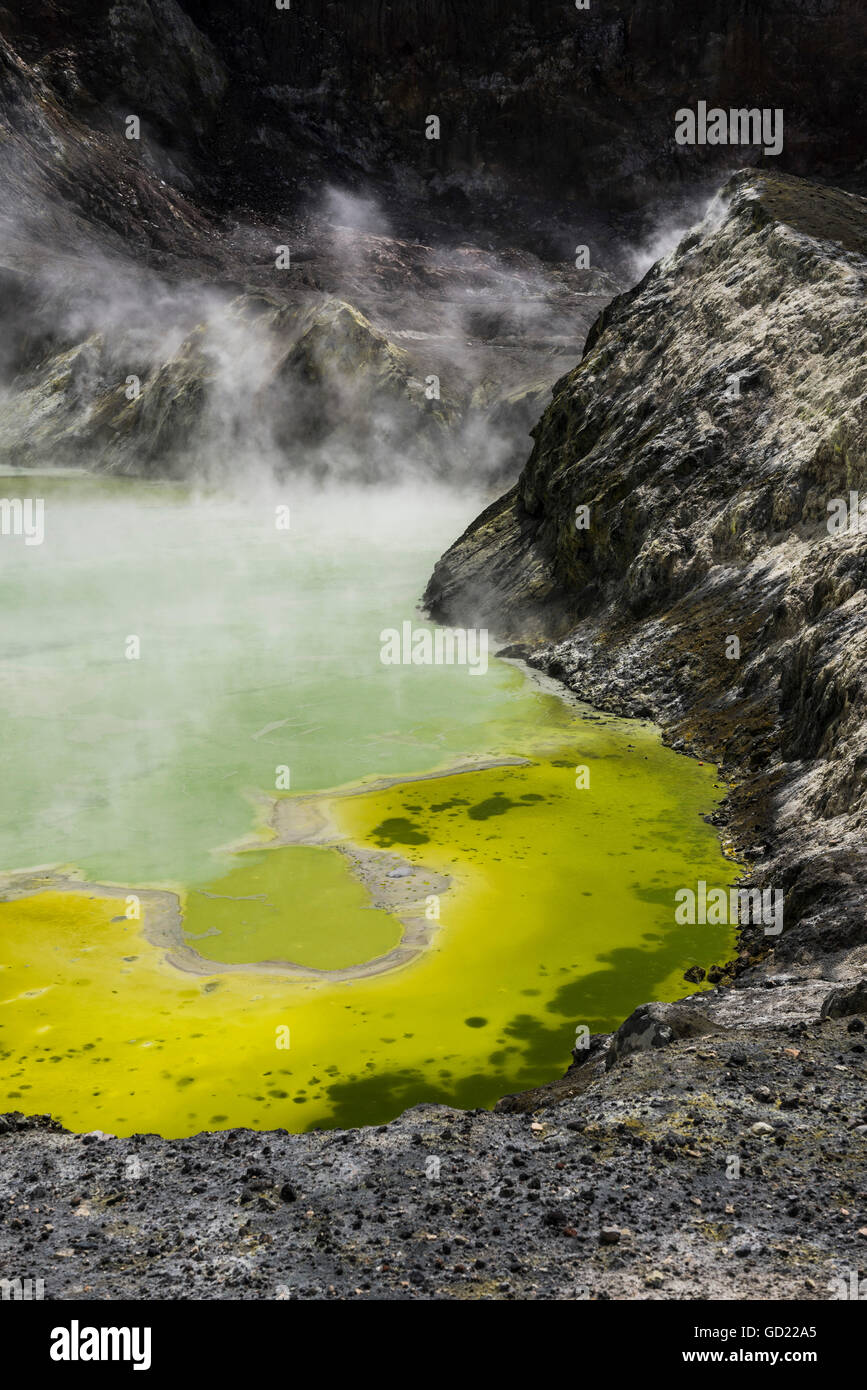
[761, 1128]
[609, 1235]
[748, 1247]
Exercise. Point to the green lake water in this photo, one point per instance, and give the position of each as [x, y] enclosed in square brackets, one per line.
[260, 649]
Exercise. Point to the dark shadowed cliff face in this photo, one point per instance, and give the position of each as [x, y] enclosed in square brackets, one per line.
[537, 98]
[540, 104]
[719, 411]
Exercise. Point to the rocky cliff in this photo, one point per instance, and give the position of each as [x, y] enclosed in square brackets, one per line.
[674, 545]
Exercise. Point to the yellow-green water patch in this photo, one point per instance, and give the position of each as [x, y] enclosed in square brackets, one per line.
[302, 905]
[561, 881]
[560, 916]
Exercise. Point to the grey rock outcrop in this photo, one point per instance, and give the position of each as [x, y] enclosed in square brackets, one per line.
[657, 1025]
[846, 1000]
[713, 430]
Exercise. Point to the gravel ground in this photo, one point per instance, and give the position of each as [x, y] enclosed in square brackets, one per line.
[626, 1190]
